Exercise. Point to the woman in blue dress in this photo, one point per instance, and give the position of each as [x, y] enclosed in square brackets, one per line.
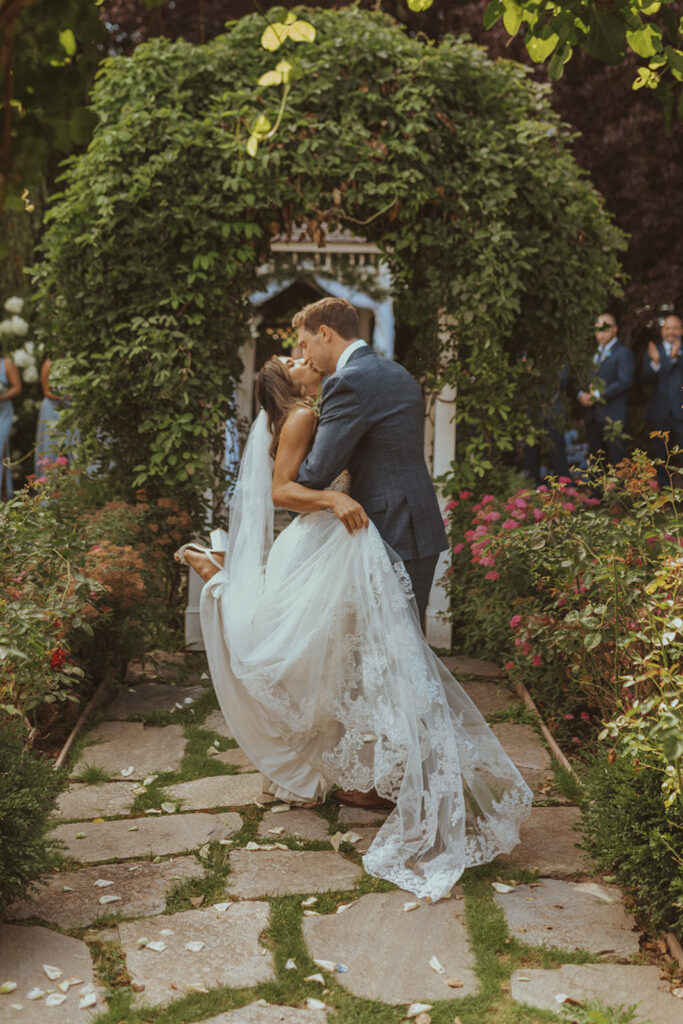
[50, 440]
[10, 387]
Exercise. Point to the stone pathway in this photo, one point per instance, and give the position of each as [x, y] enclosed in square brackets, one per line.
[183, 881]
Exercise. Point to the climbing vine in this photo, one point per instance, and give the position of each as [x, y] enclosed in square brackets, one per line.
[456, 166]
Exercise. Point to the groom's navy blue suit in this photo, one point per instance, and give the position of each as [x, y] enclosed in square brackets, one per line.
[371, 423]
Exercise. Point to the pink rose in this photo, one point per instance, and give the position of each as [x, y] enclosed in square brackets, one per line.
[464, 495]
[585, 717]
[515, 621]
[458, 548]
[537, 660]
[62, 460]
[568, 718]
[492, 575]
[509, 524]
[451, 505]
[487, 499]
[539, 514]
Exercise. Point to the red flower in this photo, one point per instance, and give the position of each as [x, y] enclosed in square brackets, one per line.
[537, 661]
[58, 658]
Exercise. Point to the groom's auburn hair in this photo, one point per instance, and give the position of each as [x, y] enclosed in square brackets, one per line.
[338, 314]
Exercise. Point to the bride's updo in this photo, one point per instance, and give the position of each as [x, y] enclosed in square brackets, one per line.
[277, 393]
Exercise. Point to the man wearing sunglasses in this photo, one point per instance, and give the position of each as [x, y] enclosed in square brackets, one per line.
[604, 403]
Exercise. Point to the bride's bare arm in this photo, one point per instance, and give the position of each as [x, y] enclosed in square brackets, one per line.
[295, 442]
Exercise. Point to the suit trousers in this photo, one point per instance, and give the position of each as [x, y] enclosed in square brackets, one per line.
[421, 572]
[660, 450]
[615, 451]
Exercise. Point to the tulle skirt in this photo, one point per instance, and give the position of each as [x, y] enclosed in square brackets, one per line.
[325, 678]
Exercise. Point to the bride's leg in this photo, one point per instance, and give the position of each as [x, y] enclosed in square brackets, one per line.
[202, 564]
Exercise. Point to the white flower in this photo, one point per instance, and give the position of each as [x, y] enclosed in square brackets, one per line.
[14, 304]
[19, 326]
[21, 359]
[28, 347]
[31, 374]
[5, 328]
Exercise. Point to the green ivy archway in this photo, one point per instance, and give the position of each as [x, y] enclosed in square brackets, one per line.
[454, 165]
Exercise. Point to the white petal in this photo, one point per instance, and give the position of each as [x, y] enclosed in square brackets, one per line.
[35, 993]
[502, 887]
[416, 1008]
[437, 966]
[327, 965]
[102, 883]
[194, 947]
[126, 772]
[158, 947]
[7, 987]
[109, 898]
[220, 907]
[315, 1004]
[410, 905]
[315, 977]
[89, 999]
[279, 808]
[52, 972]
[310, 901]
[290, 965]
[55, 999]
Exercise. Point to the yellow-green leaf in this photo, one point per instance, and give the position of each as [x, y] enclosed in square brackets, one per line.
[68, 41]
[539, 49]
[252, 145]
[291, 18]
[650, 79]
[302, 32]
[645, 41]
[512, 19]
[420, 5]
[274, 36]
[261, 126]
[285, 69]
[270, 78]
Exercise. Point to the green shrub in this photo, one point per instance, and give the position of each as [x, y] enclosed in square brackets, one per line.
[29, 787]
[630, 834]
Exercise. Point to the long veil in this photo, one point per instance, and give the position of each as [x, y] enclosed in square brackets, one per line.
[325, 678]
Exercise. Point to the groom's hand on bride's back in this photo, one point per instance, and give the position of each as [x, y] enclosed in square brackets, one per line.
[348, 511]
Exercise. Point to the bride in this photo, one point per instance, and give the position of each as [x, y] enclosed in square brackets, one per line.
[322, 670]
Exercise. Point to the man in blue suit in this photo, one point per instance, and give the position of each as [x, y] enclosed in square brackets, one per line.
[371, 423]
[663, 371]
[605, 401]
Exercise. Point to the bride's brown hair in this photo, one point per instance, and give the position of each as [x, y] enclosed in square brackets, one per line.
[278, 394]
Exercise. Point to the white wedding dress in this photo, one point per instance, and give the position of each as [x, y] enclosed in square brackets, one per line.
[325, 678]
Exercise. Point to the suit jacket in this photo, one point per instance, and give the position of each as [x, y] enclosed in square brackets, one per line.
[665, 401]
[371, 423]
[614, 379]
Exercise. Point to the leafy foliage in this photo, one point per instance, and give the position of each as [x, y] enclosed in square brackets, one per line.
[455, 166]
[48, 57]
[29, 787]
[552, 31]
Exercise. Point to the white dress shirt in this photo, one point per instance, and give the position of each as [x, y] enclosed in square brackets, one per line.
[348, 351]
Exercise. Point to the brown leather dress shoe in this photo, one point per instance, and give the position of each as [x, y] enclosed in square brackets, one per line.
[357, 798]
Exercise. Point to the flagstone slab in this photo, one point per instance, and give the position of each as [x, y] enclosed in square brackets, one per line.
[231, 955]
[570, 915]
[360, 816]
[299, 822]
[237, 758]
[367, 834]
[220, 791]
[612, 984]
[548, 844]
[269, 1013]
[524, 748]
[464, 665]
[23, 951]
[173, 833]
[281, 872]
[146, 697]
[172, 666]
[146, 749]
[216, 723]
[104, 800]
[387, 950]
[488, 697]
[142, 889]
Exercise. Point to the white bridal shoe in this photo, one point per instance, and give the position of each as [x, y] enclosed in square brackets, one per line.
[219, 542]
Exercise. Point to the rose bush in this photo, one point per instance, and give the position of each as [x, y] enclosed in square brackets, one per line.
[580, 597]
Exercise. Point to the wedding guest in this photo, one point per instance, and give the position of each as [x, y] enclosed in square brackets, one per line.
[50, 441]
[10, 387]
[606, 410]
[663, 371]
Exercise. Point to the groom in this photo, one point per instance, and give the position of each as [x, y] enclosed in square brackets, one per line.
[371, 423]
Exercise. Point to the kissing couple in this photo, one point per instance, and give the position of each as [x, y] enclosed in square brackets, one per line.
[314, 641]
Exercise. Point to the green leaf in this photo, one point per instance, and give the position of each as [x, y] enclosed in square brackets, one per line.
[252, 145]
[646, 41]
[592, 640]
[606, 36]
[492, 13]
[270, 78]
[68, 41]
[675, 57]
[539, 49]
[512, 19]
[672, 746]
[302, 32]
[274, 36]
[420, 5]
[558, 61]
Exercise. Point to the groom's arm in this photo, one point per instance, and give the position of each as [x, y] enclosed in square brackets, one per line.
[342, 425]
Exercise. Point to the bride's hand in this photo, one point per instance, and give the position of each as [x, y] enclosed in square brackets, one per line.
[347, 509]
